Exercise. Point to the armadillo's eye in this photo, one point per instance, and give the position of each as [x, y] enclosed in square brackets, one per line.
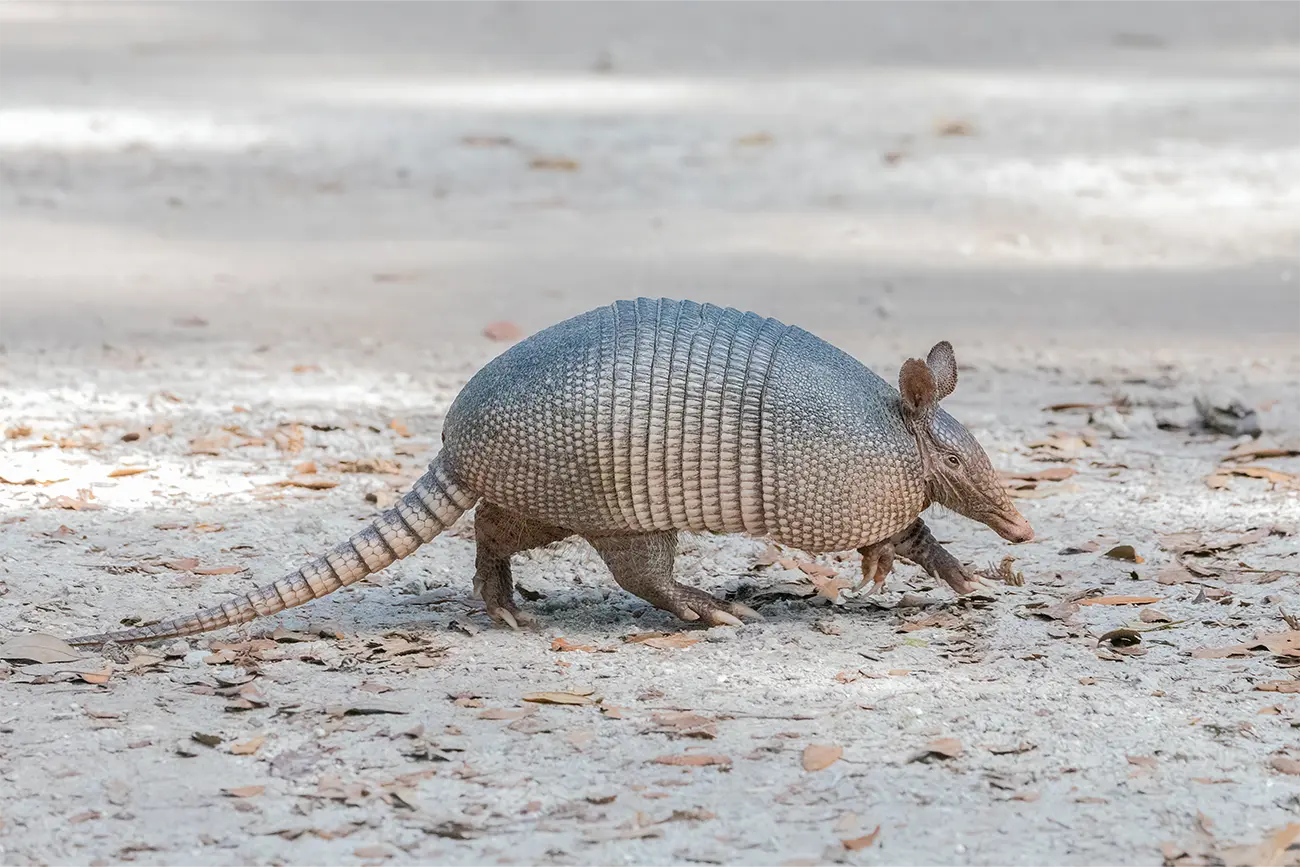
[954, 461]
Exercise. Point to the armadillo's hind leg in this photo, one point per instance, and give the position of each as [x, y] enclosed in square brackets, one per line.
[643, 565]
[918, 545]
[499, 534]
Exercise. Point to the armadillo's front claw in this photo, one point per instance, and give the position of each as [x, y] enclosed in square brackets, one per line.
[722, 618]
[688, 615]
[513, 619]
[745, 612]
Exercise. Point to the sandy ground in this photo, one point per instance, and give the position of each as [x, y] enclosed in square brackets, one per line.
[238, 239]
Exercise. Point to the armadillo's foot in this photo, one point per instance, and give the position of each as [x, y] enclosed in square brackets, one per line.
[512, 617]
[643, 564]
[918, 545]
[692, 604]
[877, 562]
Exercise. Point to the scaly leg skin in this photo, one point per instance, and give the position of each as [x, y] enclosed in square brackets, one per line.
[877, 561]
[643, 565]
[918, 545]
[499, 534]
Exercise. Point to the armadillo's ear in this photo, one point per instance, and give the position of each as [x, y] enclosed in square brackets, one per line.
[943, 366]
[916, 384]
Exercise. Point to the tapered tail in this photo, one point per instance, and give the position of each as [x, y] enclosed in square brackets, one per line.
[433, 504]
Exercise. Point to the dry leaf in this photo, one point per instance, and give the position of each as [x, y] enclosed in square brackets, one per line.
[315, 483]
[305, 469]
[1283, 686]
[1285, 764]
[1219, 478]
[1280, 643]
[497, 713]
[1153, 615]
[559, 697]
[954, 128]
[372, 852]
[686, 724]
[692, 760]
[755, 139]
[218, 570]
[503, 332]
[1143, 762]
[817, 757]
[563, 645]
[662, 641]
[244, 791]
[248, 747]
[553, 164]
[370, 465]
[29, 481]
[399, 428]
[1124, 552]
[945, 748]
[1119, 600]
[209, 445]
[861, 842]
[1255, 449]
[38, 648]
[77, 505]
[123, 472]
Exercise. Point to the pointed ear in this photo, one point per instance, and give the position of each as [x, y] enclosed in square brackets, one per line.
[943, 366]
[916, 384]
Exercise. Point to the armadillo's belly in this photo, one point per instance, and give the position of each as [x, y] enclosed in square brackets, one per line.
[660, 415]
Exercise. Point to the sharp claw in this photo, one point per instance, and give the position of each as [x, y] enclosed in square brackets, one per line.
[505, 617]
[525, 619]
[688, 615]
[722, 618]
[746, 611]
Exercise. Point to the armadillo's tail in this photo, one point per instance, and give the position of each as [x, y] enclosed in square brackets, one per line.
[433, 504]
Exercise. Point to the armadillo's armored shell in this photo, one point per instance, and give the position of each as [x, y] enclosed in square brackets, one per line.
[659, 415]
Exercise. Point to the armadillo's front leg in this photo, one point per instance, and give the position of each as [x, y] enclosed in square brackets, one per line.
[643, 565]
[918, 545]
[499, 534]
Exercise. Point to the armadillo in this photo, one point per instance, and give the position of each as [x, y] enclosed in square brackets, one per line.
[631, 423]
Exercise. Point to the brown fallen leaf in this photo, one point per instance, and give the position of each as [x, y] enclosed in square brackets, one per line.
[1271, 852]
[212, 444]
[398, 428]
[685, 724]
[498, 713]
[1119, 600]
[692, 760]
[861, 842]
[218, 570]
[80, 504]
[1285, 764]
[123, 472]
[563, 645]
[1256, 449]
[944, 748]
[1220, 477]
[370, 465]
[1124, 552]
[662, 641]
[314, 483]
[502, 332]
[562, 697]
[1279, 643]
[38, 648]
[18, 431]
[954, 128]
[1154, 615]
[243, 791]
[248, 747]
[755, 139]
[818, 757]
[372, 852]
[553, 164]
[29, 482]
[1143, 762]
[1283, 686]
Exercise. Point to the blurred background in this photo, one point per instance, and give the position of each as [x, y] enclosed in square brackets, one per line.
[1088, 175]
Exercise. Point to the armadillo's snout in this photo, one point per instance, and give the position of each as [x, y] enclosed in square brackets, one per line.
[1013, 527]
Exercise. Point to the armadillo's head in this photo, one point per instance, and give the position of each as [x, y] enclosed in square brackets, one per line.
[958, 473]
